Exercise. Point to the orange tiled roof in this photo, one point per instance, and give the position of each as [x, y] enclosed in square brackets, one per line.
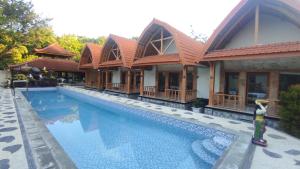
[158, 59]
[111, 63]
[270, 50]
[92, 50]
[188, 49]
[51, 64]
[127, 49]
[55, 50]
[292, 4]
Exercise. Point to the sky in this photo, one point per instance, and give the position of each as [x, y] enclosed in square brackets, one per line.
[128, 18]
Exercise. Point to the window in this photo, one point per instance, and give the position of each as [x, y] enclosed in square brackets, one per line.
[189, 82]
[231, 83]
[257, 87]
[174, 81]
[287, 80]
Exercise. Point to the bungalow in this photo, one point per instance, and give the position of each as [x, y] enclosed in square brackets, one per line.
[166, 59]
[254, 54]
[115, 61]
[89, 61]
[56, 59]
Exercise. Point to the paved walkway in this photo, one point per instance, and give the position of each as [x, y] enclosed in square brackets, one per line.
[12, 153]
[283, 151]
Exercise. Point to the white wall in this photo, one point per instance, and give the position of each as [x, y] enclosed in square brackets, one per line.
[217, 76]
[271, 30]
[149, 77]
[116, 76]
[203, 82]
[171, 48]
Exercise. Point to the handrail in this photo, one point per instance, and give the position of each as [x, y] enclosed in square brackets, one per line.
[227, 101]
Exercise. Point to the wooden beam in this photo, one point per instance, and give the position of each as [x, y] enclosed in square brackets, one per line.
[183, 84]
[195, 78]
[142, 82]
[128, 81]
[273, 93]
[242, 89]
[167, 79]
[211, 83]
[256, 29]
[106, 79]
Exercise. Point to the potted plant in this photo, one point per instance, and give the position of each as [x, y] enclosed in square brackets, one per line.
[198, 105]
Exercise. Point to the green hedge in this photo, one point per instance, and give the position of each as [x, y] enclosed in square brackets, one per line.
[290, 110]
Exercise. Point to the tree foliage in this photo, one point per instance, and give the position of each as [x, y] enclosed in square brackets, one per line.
[290, 110]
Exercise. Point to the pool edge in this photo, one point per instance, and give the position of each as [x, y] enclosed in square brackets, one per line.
[45, 150]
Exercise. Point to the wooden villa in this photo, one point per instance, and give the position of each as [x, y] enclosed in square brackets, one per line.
[89, 62]
[115, 64]
[254, 54]
[166, 59]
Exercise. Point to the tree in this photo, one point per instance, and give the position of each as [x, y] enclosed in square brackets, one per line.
[17, 18]
[72, 44]
[198, 36]
[290, 110]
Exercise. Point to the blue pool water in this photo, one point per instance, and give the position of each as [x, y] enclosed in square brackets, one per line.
[100, 134]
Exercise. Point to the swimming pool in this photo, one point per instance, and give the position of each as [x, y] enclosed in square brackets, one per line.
[100, 134]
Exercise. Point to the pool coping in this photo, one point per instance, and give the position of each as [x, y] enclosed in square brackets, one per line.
[238, 155]
[45, 150]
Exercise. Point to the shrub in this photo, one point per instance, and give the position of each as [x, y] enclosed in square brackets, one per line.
[20, 77]
[199, 103]
[290, 110]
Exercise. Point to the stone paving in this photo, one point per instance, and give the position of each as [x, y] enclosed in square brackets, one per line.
[12, 152]
[283, 151]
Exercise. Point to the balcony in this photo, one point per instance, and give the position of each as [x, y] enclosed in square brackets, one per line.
[169, 94]
[236, 103]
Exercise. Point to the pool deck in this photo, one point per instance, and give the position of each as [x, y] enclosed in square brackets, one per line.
[283, 150]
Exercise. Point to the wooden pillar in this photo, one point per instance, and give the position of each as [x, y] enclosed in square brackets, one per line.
[211, 83]
[242, 89]
[167, 79]
[106, 79]
[183, 84]
[194, 78]
[128, 81]
[273, 93]
[142, 82]
[156, 80]
[256, 29]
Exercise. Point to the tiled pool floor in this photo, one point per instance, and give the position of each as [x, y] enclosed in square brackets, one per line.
[283, 151]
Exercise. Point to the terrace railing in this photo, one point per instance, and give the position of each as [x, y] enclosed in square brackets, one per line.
[116, 86]
[169, 94]
[227, 101]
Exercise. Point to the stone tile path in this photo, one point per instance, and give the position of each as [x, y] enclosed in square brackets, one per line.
[12, 153]
[283, 151]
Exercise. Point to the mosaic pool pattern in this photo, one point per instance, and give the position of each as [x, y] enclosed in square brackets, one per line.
[279, 143]
[125, 137]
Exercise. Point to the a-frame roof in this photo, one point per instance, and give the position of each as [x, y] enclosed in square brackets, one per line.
[188, 49]
[54, 50]
[127, 49]
[288, 8]
[90, 50]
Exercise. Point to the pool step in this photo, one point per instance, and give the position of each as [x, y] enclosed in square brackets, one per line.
[198, 149]
[210, 147]
[221, 143]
